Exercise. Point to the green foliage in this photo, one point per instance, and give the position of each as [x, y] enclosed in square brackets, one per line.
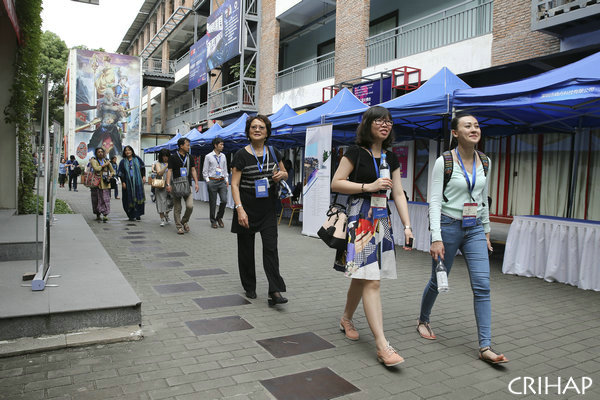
[24, 91]
[235, 71]
[60, 206]
[54, 56]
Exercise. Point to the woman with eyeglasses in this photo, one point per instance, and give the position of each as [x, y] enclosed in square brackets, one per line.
[101, 193]
[257, 169]
[370, 253]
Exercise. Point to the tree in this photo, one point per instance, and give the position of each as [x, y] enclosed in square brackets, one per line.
[54, 55]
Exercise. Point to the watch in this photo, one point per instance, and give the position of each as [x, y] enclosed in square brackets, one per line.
[237, 206]
[408, 227]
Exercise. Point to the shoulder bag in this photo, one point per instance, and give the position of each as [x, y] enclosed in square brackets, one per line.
[90, 178]
[181, 185]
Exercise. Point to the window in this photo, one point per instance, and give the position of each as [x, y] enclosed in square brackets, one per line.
[383, 24]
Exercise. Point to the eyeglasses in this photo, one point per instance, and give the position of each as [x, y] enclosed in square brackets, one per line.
[380, 122]
[258, 128]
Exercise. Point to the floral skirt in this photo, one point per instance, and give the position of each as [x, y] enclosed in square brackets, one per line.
[370, 252]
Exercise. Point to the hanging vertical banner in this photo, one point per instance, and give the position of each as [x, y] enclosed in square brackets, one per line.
[317, 178]
[223, 31]
[198, 74]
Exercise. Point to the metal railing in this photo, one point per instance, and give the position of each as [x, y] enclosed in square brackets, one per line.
[463, 21]
[307, 72]
[158, 66]
[182, 61]
[192, 115]
[225, 97]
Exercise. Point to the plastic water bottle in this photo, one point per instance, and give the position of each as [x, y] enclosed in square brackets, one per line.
[441, 274]
[384, 170]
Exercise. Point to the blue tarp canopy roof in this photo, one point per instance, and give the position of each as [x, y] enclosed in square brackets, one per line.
[420, 113]
[156, 149]
[206, 137]
[232, 135]
[290, 132]
[558, 100]
[283, 113]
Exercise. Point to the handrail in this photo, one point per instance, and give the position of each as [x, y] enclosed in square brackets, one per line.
[306, 63]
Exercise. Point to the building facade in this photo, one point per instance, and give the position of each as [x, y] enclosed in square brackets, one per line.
[306, 50]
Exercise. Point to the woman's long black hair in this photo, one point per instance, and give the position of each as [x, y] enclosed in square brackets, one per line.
[364, 137]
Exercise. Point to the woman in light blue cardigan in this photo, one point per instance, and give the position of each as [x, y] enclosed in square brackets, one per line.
[459, 219]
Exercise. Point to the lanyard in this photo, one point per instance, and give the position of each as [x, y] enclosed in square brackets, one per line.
[183, 161]
[218, 160]
[474, 170]
[375, 164]
[260, 167]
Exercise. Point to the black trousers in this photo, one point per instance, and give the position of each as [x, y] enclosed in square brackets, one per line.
[73, 181]
[246, 261]
[217, 188]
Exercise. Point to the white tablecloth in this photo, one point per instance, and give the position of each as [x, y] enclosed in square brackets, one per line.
[419, 219]
[202, 194]
[554, 249]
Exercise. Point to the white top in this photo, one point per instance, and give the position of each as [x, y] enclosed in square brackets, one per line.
[457, 194]
[209, 170]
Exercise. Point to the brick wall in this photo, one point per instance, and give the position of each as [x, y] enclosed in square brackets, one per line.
[351, 31]
[513, 38]
[268, 57]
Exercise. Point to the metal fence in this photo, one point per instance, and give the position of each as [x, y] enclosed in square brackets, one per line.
[463, 21]
[225, 97]
[192, 115]
[182, 61]
[158, 66]
[305, 73]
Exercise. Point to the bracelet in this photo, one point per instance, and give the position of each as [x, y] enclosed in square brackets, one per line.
[362, 188]
[408, 227]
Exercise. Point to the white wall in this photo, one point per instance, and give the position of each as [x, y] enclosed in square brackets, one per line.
[282, 6]
[466, 56]
[301, 96]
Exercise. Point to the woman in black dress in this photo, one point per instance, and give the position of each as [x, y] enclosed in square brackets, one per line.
[256, 172]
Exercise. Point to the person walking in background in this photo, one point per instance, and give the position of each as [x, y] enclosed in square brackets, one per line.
[132, 172]
[459, 219]
[164, 203]
[73, 168]
[114, 184]
[101, 194]
[370, 254]
[180, 165]
[62, 172]
[254, 180]
[217, 181]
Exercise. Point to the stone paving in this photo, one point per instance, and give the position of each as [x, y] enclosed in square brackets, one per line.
[547, 330]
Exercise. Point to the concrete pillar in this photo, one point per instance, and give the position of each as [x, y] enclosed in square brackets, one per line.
[268, 57]
[160, 16]
[351, 31]
[149, 111]
[168, 9]
[163, 110]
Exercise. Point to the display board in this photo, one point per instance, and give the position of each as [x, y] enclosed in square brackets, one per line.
[102, 103]
[198, 75]
[223, 29]
[374, 92]
[317, 177]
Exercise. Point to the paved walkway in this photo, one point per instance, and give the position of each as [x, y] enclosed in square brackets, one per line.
[546, 329]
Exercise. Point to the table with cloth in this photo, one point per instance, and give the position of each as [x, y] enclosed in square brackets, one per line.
[203, 194]
[419, 220]
[554, 249]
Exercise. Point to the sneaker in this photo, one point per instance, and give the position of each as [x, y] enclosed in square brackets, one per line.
[162, 222]
[348, 328]
[389, 356]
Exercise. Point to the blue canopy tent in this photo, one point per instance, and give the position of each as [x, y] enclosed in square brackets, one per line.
[290, 132]
[560, 100]
[421, 113]
[232, 135]
[205, 138]
[156, 149]
[283, 113]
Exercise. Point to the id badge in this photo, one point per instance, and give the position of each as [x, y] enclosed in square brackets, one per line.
[261, 187]
[218, 172]
[469, 215]
[379, 206]
[183, 172]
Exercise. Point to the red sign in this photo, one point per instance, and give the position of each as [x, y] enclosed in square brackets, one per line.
[9, 5]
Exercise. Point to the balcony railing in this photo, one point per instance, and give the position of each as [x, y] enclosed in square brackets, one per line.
[158, 66]
[305, 73]
[555, 16]
[231, 98]
[184, 118]
[182, 61]
[463, 21]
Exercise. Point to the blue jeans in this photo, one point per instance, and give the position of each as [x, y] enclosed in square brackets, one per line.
[473, 245]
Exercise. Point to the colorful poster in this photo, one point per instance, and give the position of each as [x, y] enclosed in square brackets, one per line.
[198, 74]
[402, 154]
[317, 178]
[374, 92]
[107, 110]
[223, 34]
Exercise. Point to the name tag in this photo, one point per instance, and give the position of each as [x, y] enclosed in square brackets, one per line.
[379, 206]
[261, 186]
[183, 172]
[218, 172]
[469, 215]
